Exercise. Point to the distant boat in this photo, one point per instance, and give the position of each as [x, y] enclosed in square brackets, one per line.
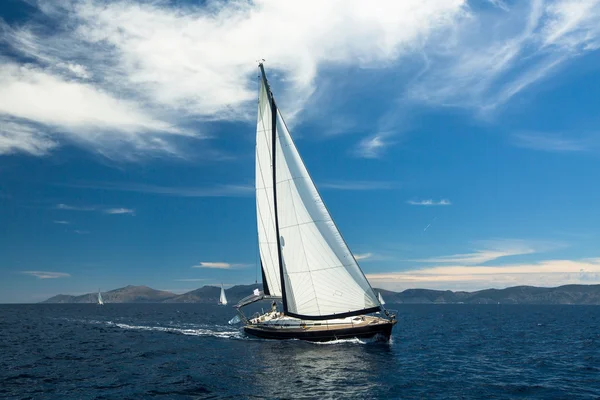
[222, 298]
[100, 302]
[380, 298]
[305, 262]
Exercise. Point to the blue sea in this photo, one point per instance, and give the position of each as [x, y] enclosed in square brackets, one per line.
[188, 351]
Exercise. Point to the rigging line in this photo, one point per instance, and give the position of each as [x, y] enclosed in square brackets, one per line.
[289, 136]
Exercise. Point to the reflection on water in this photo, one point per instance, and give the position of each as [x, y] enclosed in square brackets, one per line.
[350, 369]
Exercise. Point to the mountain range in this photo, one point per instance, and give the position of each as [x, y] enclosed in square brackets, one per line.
[567, 294]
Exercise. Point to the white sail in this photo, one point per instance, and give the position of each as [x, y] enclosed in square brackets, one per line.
[267, 236]
[380, 297]
[100, 298]
[222, 298]
[321, 276]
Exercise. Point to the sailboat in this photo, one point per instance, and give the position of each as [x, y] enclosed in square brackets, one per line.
[100, 302]
[306, 264]
[222, 298]
[380, 297]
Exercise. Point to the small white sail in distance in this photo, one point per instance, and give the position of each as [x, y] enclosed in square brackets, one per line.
[100, 302]
[222, 298]
[380, 298]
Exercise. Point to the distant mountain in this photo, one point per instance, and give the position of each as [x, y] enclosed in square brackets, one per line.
[568, 294]
[128, 294]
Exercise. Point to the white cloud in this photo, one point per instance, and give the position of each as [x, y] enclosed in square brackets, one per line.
[494, 56]
[81, 112]
[110, 211]
[459, 277]
[62, 206]
[17, 136]
[81, 232]
[551, 142]
[429, 202]
[358, 185]
[494, 249]
[46, 274]
[363, 256]
[214, 191]
[61, 222]
[126, 78]
[130, 72]
[218, 265]
[119, 211]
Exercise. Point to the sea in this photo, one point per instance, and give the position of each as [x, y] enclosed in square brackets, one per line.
[189, 351]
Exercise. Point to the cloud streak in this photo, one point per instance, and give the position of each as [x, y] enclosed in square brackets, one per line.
[494, 249]
[109, 211]
[131, 75]
[218, 265]
[46, 274]
[429, 202]
[114, 211]
[461, 277]
[553, 142]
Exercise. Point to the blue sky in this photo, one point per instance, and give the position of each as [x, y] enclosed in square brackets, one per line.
[455, 143]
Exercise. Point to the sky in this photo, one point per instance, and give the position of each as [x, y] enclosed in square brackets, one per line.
[455, 143]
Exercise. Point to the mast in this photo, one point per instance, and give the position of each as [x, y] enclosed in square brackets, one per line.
[274, 160]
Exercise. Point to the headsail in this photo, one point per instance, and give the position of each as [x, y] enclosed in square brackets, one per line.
[321, 278]
[222, 298]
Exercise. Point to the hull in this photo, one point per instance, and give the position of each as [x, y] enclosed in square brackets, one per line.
[381, 330]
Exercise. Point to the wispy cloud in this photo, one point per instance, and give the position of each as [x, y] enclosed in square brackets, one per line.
[119, 211]
[363, 256]
[459, 277]
[493, 249]
[110, 211]
[429, 202]
[491, 57]
[46, 274]
[218, 265]
[61, 222]
[373, 146]
[130, 75]
[552, 142]
[210, 191]
[191, 280]
[81, 232]
[62, 206]
[358, 185]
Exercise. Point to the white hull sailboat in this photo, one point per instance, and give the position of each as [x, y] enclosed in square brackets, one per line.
[306, 264]
[222, 298]
[100, 302]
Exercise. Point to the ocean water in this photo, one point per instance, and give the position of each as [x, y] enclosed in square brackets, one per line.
[188, 351]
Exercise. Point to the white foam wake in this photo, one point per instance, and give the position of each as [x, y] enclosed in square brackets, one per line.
[183, 331]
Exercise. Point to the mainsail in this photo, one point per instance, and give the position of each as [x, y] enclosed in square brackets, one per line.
[303, 255]
[222, 298]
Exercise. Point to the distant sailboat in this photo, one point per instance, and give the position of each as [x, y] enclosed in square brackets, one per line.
[222, 298]
[380, 297]
[100, 302]
[305, 262]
